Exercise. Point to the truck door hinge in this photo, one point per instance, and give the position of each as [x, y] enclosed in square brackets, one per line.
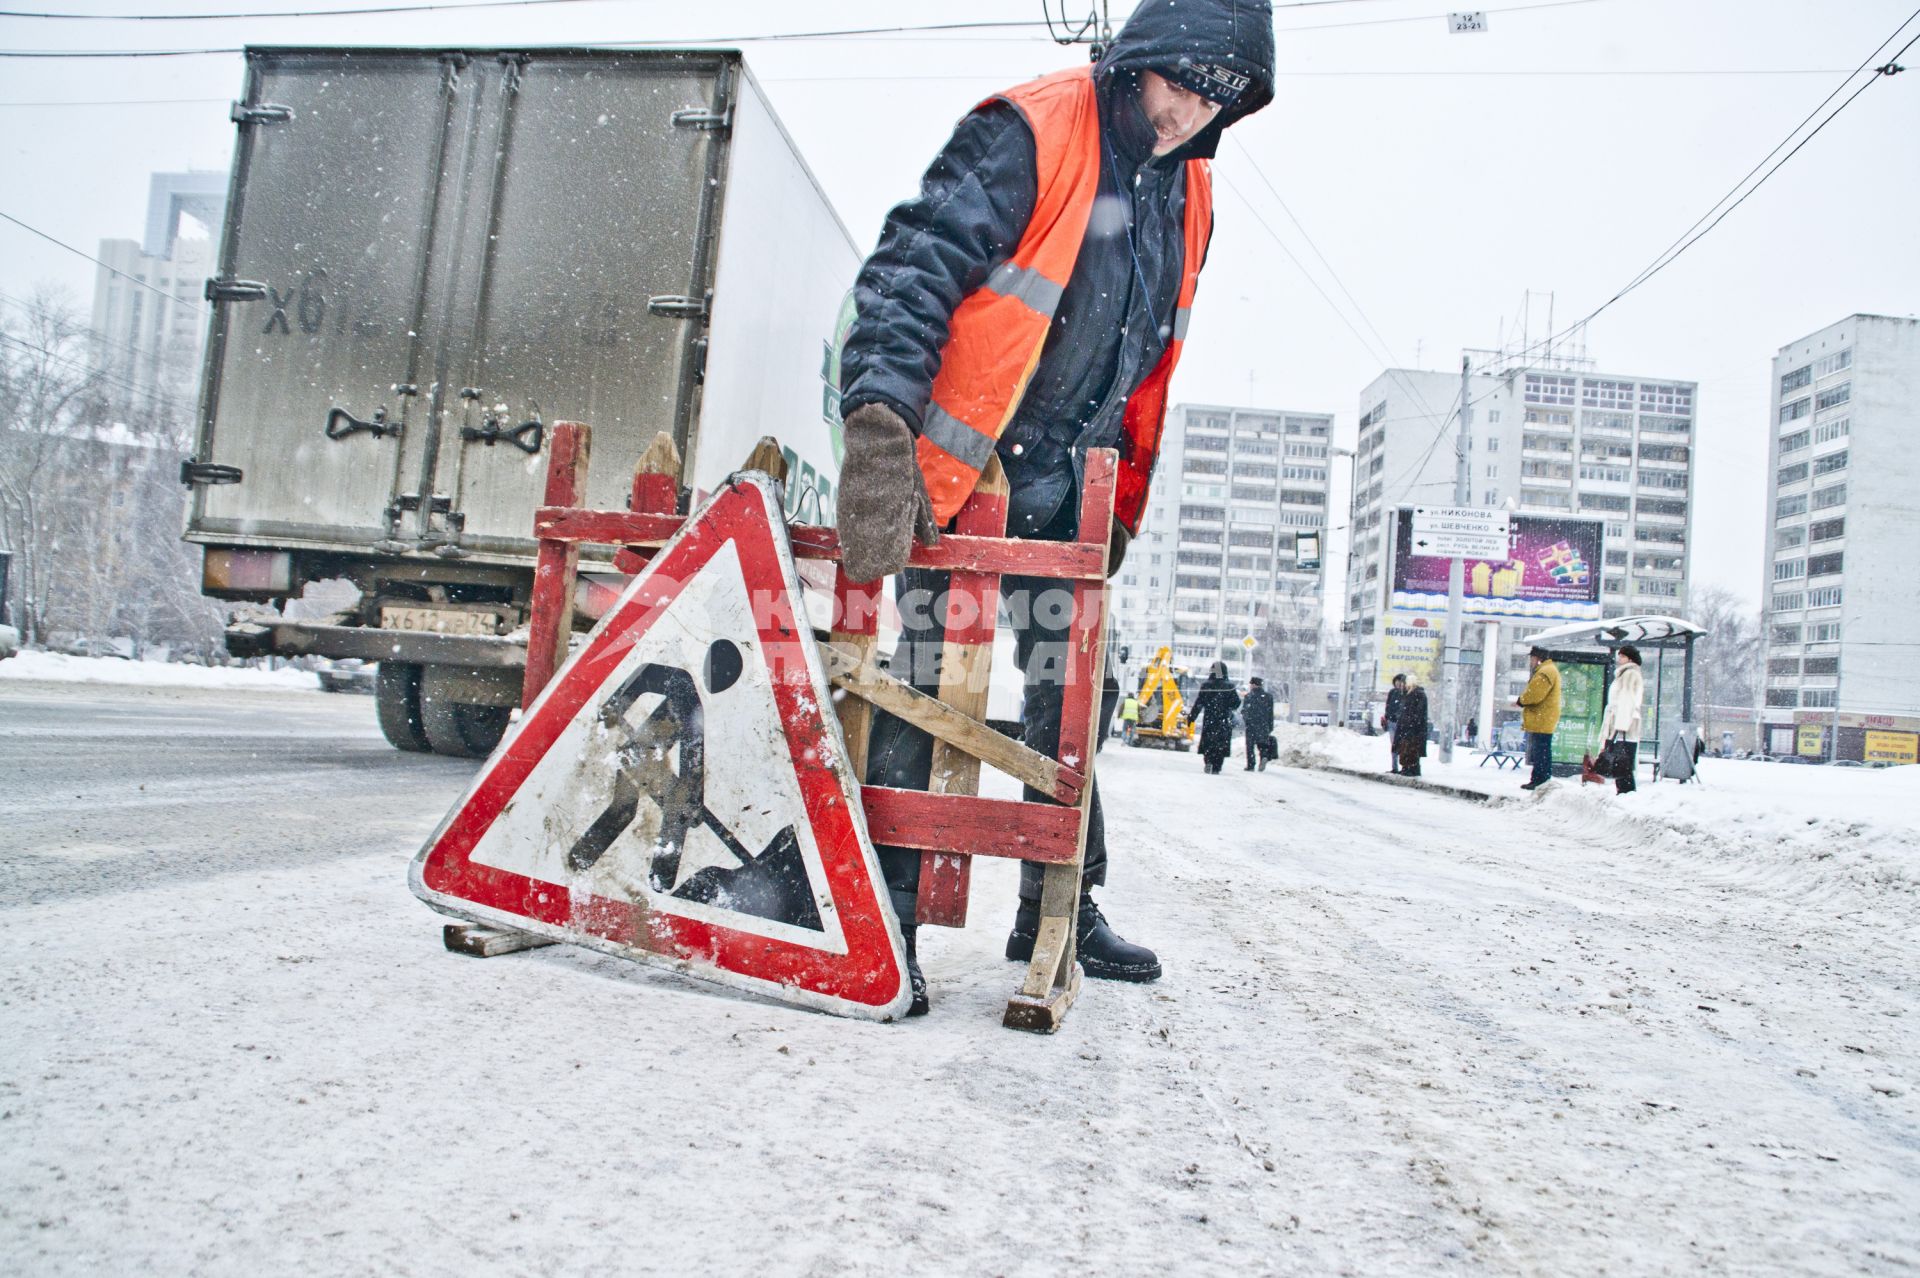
[260, 113]
[226, 290]
[193, 472]
[700, 118]
[679, 306]
[441, 503]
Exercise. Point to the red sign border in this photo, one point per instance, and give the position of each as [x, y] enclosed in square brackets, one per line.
[869, 979]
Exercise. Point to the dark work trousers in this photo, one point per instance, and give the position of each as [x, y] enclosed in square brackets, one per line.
[1540, 756]
[1258, 750]
[901, 756]
[1627, 757]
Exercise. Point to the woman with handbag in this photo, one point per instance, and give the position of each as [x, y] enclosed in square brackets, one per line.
[1620, 727]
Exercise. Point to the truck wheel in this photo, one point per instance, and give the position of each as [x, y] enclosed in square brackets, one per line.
[454, 727]
[397, 697]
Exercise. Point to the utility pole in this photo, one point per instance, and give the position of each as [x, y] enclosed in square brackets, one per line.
[1456, 573]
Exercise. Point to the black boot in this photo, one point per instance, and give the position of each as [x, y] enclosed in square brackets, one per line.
[909, 933]
[1101, 950]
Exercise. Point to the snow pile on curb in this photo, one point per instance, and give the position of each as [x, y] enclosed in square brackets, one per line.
[1801, 831]
[53, 667]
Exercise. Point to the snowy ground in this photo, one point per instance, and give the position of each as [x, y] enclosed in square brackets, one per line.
[1399, 1032]
[34, 666]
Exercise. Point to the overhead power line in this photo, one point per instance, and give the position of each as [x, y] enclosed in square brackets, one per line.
[846, 33]
[429, 6]
[1735, 196]
[34, 230]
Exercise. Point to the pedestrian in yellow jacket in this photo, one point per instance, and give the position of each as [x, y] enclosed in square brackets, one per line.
[1539, 704]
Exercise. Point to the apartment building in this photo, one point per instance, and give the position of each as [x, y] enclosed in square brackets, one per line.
[149, 320]
[1233, 538]
[1840, 606]
[1554, 437]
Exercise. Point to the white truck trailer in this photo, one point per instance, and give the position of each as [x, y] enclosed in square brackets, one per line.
[430, 256]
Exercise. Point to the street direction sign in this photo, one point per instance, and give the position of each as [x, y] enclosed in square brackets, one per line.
[679, 794]
[1460, 532]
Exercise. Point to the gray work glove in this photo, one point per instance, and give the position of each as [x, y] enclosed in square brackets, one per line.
[1117, 547]
[883, 500]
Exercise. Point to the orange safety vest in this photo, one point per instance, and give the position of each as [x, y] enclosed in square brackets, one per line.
[998, 330]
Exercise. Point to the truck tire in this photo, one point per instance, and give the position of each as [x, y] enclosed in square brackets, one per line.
[454, 727]
[396, 693]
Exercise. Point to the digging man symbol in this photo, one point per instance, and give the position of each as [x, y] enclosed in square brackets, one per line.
[1031, 301]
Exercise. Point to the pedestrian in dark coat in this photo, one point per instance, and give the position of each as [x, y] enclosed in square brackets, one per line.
[1214, 705]
[1410, 733]
[1256, 712]
[1396, 701]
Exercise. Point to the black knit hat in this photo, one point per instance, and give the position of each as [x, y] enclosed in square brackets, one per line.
[1214, 81]
[1630, 652]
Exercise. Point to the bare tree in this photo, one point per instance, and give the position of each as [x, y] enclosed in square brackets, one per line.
[1292, 643]
[1728, 661]
[48, 395]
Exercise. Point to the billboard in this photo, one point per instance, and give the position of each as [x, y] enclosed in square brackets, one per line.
[1410, 643]
[1551, 572]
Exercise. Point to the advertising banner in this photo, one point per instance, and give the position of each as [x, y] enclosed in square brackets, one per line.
[1892, 747]
[1582, 696]
[1812, 742]
[1551, 572]
[1410, 643]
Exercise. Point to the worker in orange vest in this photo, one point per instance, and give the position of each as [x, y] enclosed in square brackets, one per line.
[1032, 301]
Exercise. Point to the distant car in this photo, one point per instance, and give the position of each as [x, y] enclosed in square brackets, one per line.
[9, 642]
[348, 674]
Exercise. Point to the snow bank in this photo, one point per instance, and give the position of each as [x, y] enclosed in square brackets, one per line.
[1804, 829]
[54, 667]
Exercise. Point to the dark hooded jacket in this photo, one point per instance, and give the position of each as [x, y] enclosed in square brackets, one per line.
[1214, 705]
[1257, 712]
[1117, 311]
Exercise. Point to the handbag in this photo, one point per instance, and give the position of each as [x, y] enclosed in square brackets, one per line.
[1608, 762]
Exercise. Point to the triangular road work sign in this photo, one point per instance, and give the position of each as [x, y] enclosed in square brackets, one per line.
[679, 793]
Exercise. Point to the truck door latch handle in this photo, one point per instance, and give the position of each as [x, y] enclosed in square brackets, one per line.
[678, 306]
[193, 472]
[527, 436]
[226, 290]
[341, 423]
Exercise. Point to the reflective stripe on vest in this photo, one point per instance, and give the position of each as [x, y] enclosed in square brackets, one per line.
[998, 331]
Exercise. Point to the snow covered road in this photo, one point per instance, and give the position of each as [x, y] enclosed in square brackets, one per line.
[1398, 1033]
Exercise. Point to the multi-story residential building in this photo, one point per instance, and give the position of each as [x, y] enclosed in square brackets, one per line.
[149, 322]
[1232, 541]
[1843, 484]
[1553, 437]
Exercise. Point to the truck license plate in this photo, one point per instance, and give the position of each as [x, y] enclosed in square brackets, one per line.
[444, 621]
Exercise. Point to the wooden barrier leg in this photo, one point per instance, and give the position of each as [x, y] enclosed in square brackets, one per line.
[1053, 975]
[966, 668]
[558, 562]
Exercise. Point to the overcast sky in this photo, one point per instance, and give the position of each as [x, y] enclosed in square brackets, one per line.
[1435, 178]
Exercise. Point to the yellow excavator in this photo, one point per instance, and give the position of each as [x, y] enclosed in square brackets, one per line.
[1162, 707]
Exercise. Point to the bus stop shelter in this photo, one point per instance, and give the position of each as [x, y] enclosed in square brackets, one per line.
[1585, 650]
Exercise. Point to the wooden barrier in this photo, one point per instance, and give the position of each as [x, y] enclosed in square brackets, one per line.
[949, 823]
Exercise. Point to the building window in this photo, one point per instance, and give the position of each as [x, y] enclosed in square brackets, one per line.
[1206, 443]
[1600, 393]
[1616, 585]
[1830, 463]
[1664, 452]
[1542, 388]
[1823, 665]
[1492, 497]
[1824, 597]
[1669, 425]
[1598, 501]
[1653, 506]
[1213, 513]
[1606, 421]
[1493, 443]
[1616, 559]
[1792, 602]
[1820, 698]
[1253, 492]
[1603, 474]
[1790, 569]
[1298, 497]
[1827, 498]
[1312, 474]
[1548, 417]
[1786, 634]
[1788, 538]
[1834, 396]
[1833, 363]
[1791, 474]
[1198, 558]
[1493, 414]
[1835, 429]
[1793, 443]
[1549, 500]
[1796, 410]
[1663, 479]
[1783, 666]
[1824, 632]
[1675, 401]
[1206, 466]
[1550, 470]
[1799, 377]
[1664, 589]
[1787, 507]
[1827, 530]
